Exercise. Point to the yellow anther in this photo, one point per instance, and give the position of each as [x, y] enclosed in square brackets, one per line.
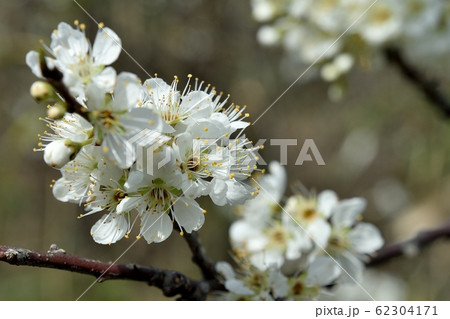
[101, 25]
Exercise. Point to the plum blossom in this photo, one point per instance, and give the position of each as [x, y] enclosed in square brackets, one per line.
[137, 152]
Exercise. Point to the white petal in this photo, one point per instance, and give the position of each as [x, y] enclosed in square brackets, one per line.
[266, 259]
[157, 90]
[109, 229]
[61, 189]
[279, 284]
[275, 182]
[156, 227]
[194, 102]
[237, 193]
[236, 125]
[225, 269]
[365, 238]
[143, 118]
[119, 150]
[319, 231]
[206, 128]
[238, 287]
[218, 192]
[188, 214]
[78, 45]
[345, 213]
[240, 231]
[322, 271]
[127, 92]
[352, 265]
[128, 204]
[106, 79]
[107, 47]
[134, 181]
[74, 127]
[326, 201]
[32, 60]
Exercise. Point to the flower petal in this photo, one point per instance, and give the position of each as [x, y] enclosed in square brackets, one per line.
[107, 47]
[127, 92]
[119, 149]
[365, 238]
[106, 79]
[32, 60]
[326, 201]
[322, 271]
[225, 269]
[156, 227]
[188, 214]
[345, 213]
[238, 287]
[109, 229]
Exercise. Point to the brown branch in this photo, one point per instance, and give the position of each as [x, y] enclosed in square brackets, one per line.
[412, 245]
[206, 265]
[169, 281]
[429, 88]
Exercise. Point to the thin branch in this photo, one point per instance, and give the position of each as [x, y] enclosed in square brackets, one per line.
[169, 281]
[428, 87]
[411, 246]
[206, 265]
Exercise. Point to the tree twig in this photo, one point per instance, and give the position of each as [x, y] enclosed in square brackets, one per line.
[411, 246]
[429, 88]
[206, 265]
[171, 282]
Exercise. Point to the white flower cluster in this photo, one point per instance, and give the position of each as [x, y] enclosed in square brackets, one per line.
[137, 152]
[318, 239]
[309, 29]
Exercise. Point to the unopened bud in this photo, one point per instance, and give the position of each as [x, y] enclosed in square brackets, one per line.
[57, 153]
[56, 111]
[41, 91]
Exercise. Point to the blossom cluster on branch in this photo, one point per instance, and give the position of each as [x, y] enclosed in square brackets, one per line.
[139, 152]
[297, 250]
[338, 34]
[143, 152]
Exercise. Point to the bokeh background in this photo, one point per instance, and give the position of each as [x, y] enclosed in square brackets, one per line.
[382, 141]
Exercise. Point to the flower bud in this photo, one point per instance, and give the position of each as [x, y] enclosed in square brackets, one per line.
[57, 153]
[41, 91]
[56, 112]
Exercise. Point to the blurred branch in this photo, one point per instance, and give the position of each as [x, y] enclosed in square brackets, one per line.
[428, 87]
[170, 282]
[411, 246]
[206, 265]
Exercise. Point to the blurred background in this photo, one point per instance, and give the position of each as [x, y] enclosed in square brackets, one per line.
[382, 141]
